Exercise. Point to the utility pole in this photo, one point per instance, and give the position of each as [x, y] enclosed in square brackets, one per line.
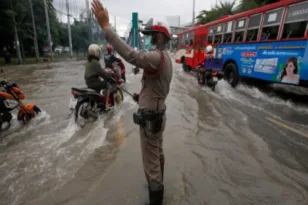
[69, 29]
[48, 28]
[89, 22]
[193, 17]
[16, 37]
[37, 55]
[115, 23]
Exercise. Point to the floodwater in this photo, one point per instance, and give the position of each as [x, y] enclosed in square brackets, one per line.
[228, 147]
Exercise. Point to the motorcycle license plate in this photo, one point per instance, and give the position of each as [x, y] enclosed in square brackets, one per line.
[215, 79]
[73, 102]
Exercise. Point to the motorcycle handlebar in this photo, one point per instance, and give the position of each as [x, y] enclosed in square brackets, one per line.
[7, 83]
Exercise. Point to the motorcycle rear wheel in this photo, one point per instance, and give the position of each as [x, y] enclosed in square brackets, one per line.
[87, 112]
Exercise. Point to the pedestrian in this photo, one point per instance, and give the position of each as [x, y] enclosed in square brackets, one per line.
[157, 75]
[7, 57]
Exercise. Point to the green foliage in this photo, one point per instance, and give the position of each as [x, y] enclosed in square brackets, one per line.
[228, 8]
[221, 9]
[21, 11]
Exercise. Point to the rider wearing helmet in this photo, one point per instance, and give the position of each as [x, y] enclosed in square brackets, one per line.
[110, 58]
[94, 72]
[157, 75]
[208, 55]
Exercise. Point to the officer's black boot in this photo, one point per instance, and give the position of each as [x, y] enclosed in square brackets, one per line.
[156, 197]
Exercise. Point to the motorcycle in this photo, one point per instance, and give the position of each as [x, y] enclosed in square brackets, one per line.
[10, 99]
[209, 78]
[87, 103]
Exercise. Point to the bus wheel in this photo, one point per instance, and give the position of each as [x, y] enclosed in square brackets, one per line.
[231, 74]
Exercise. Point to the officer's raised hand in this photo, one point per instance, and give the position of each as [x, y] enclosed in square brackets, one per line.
[101, 14]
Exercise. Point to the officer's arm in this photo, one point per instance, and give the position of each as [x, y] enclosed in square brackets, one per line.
[101, 72]
[146, 60]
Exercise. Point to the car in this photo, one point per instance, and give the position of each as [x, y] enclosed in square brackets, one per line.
[66, 49]
[58, 50]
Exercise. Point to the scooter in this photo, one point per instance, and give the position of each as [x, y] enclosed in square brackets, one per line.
[209, 78]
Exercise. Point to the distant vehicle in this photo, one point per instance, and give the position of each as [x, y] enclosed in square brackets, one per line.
[58, 50]
[66, 49]
[47, 51]
[267, 44]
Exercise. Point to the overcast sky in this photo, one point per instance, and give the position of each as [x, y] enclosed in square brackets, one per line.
[123, 9]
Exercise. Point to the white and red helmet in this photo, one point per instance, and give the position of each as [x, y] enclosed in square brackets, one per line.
[152, 27]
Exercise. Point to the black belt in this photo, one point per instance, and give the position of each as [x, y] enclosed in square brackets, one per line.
[151, 114]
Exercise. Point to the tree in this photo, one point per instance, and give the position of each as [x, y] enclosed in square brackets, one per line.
[21, 11]
[80, 36]
[246, 5]
[222, 9]
[228, 8]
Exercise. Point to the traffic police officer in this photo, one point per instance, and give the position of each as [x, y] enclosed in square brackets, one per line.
[156, 79]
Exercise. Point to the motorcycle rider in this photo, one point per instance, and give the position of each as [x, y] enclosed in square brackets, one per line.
[156, 79]
[94, 72]
[110, 58]
[202, 69]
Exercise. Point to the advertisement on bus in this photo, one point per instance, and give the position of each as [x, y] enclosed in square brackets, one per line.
[281, 62]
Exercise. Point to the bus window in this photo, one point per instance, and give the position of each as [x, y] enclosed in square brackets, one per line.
[253, 27]
[228, 32]
[190, 38]
[218, 34]
[210, 35]
[182, 40]
[240, 30]
[296, 21]
[271, 24]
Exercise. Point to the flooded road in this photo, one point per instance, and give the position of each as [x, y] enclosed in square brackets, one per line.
[228, 147]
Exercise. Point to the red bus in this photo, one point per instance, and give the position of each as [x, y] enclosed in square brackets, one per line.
[259, 44]
[191, 44]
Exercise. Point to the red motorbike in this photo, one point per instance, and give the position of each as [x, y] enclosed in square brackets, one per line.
[88, 103]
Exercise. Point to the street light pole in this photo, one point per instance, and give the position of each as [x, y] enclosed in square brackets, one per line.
[37, 55]
[115, 23]
[69, 29]
[193, 20]
[48, 28]
[16, 37]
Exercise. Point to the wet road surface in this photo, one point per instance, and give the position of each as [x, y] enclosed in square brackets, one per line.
[228, 147]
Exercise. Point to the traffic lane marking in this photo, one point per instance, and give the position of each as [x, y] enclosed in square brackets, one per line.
[287, 127]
